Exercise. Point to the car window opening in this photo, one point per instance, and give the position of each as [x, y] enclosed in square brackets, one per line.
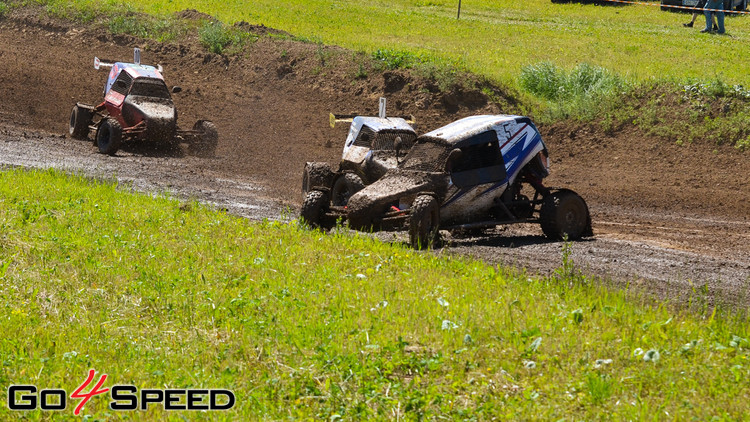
[429, 154]
[478, 156]
[122, 83]
[148, 87]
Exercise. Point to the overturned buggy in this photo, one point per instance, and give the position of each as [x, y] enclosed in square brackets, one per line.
[475, 173]
[137, 106]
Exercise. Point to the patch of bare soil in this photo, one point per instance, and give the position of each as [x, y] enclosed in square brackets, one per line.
[667, 217]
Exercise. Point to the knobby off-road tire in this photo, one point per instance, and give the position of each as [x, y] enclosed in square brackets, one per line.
[314, 208]
[344, 187]
[205, 145]
[109, 136]
[80, 119]
[424, 221]
[564, 213]
[316, 175]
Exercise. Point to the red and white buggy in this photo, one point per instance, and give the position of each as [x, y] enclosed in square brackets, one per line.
[138, 106]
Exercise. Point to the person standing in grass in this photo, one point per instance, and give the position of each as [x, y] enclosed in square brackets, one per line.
[701, 4]
[718, 6]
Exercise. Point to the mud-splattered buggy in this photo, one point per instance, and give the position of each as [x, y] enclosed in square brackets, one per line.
[374, 145]
[471, 174]
[138, 106]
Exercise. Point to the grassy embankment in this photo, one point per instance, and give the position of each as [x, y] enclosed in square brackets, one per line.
[159, 293]
[615, 66]
[497, 38]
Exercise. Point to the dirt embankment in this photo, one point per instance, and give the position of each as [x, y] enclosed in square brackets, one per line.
[665, 214]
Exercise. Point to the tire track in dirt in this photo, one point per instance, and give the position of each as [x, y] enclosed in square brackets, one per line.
[146, 170]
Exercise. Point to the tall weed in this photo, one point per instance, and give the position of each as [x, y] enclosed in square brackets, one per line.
[217, 37]
[579, 93]
[395, 59]
[161, 29]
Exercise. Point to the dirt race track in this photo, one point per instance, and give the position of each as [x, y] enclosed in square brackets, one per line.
[670, 219]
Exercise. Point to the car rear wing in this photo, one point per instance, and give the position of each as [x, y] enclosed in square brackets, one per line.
[348, 118]
[98, 64]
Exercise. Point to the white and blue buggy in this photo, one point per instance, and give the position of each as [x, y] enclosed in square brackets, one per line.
[475, 173]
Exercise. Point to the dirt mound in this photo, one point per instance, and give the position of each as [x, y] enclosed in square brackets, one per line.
[261, 29]
[193, 15]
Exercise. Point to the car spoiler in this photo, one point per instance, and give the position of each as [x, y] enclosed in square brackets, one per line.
[98, 64]
[348, 118]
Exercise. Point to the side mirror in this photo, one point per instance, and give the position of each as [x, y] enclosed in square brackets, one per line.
[398, 144]
[453, 158]
[176, 89]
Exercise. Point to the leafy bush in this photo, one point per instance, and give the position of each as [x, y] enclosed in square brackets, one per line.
[544, 80]
[396, 59]
[716, 89]
[552, 83]
[3, 9]
[161, 29]
[579, 93]
[130, 25]
[216, 37]
[743, 144]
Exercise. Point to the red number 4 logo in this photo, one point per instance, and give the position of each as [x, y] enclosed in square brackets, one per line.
[94, 391]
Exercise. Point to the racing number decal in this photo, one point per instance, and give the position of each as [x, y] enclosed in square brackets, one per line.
[508, 130]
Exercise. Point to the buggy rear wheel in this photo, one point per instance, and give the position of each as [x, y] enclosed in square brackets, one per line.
[205, 145]
[314, 208]
[80, 119]
[344, 187]
[109, 136]
[424, 222]
[565, 214]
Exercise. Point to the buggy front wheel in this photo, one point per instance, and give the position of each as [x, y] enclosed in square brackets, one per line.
[424, 221]
[109, 136]
[314, 208]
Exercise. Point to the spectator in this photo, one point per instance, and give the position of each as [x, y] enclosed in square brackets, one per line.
[717, 5]
[701, 4]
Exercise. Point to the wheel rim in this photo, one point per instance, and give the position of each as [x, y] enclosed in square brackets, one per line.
[342, 192]
[343, 196]
[104, 136]
[425, 233]
[339, 195]
[573, 219]
[305, 183]
[431, 219]
[72, 125]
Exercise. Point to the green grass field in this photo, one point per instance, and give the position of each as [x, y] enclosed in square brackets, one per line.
[497, 38]
[159, 293]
